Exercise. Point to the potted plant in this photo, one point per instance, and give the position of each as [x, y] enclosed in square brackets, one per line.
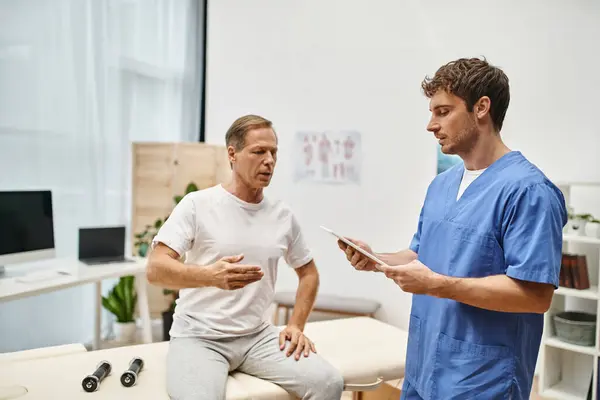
[121, 301]
[577, 223]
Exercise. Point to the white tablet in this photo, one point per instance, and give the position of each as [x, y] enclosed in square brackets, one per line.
[359, 249]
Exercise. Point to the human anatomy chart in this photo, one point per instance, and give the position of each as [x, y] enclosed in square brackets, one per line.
[328, 157]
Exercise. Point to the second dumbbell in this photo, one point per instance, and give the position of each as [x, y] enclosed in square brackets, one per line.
[130, 376]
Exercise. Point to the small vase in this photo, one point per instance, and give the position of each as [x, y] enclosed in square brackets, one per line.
[592, 229]
[125, 332]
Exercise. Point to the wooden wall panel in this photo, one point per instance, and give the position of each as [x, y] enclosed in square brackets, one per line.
[195, 164]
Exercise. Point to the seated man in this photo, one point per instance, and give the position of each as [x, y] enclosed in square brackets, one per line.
[220, 322]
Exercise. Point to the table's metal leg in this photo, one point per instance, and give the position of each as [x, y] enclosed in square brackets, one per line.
[358, 389]
[143, 307]
[98, 316]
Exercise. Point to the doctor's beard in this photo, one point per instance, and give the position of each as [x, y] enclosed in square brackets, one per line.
[462, 142]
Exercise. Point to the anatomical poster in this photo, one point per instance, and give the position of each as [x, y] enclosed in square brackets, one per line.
[327, 157]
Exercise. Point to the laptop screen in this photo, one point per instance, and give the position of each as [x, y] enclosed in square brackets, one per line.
[101, 242]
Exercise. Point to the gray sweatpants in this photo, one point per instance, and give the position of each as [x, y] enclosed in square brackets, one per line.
[197, 369]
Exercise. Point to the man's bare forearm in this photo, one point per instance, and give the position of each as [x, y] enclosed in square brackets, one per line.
[306, 294]
[496, 293]
[168, 272]
[400, 258]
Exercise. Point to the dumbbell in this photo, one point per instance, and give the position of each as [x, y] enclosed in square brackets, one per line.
[129, 377]
[91, 382]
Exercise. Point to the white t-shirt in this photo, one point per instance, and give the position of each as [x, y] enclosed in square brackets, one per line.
[468, 177]
[212, 223]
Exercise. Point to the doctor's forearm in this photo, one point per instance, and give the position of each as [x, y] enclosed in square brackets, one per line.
[497, 293]
[305, 299]
[399, 258]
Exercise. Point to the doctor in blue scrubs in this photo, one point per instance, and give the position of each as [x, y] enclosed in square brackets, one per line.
[485, 259]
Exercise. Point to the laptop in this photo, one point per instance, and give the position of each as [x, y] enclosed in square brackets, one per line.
[102, 245]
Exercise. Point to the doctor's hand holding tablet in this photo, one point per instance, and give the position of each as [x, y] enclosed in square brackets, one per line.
[403, 268]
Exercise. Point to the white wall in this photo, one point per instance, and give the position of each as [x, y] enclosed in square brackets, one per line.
[324, 65]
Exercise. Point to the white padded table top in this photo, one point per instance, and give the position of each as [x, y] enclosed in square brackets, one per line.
[362, 348]
[60, 378]
[44, 352]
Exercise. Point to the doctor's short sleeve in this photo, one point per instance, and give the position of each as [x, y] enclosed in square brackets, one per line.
[532, 239]
[298, 253]
[416, 239]
[179, 230]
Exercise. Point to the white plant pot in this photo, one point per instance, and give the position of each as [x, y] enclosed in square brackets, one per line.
[592, 229]
[577, 226]
[125, 332]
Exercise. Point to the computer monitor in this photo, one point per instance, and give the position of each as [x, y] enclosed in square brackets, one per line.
[26, 227]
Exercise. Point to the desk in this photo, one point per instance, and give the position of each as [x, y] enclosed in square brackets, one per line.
[80, 274]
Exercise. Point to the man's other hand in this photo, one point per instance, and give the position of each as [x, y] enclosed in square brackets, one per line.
[228, 275]
[299, 343]
[358, 261]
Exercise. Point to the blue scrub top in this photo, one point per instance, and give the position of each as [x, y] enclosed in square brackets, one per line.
[508, 221]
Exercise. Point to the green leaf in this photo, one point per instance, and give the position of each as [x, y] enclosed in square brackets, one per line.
[158, 223]
[121, 299]
[177, 199]
[128, 292]
[143, 249]
[115, 308]
[191, 187]
[120, 292]
[110, 307]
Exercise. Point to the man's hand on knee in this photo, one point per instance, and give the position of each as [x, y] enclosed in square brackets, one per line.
[299, 343]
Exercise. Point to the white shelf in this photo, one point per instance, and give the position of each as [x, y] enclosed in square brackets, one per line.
[554, 341]
[591, 293]
[580, 239]
[566, 369]
[563, 390]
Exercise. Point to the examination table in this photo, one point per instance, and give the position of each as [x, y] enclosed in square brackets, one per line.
[366, 351]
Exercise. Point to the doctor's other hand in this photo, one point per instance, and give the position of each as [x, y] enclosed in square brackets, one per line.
[358, 261]
[226, 274]
[414, 277]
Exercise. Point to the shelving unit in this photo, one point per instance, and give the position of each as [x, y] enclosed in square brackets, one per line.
[565, 369]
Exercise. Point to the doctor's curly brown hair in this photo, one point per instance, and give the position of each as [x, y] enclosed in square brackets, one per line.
[470, 79]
